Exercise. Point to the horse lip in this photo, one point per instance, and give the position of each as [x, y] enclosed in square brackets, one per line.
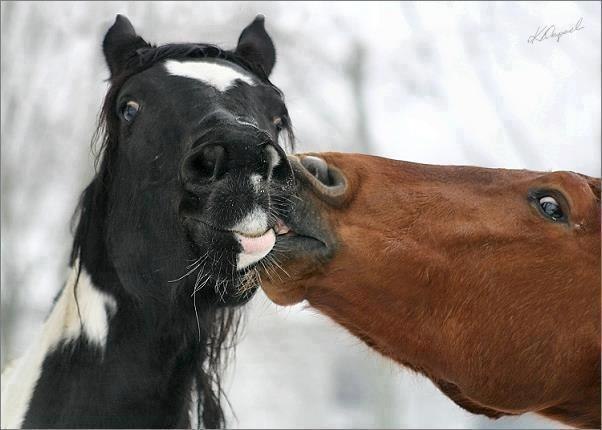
[208, 224]
[298, 245]
[279, 230]
[292, 231]
[258, 246]
[250, 236]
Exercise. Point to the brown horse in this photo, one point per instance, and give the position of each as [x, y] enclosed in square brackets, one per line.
[487, 281]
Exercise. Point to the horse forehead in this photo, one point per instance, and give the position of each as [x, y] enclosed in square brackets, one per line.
[219, 75]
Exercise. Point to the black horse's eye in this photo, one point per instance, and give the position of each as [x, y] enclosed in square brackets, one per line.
[277, 121]
[550, 207]
[130, 110]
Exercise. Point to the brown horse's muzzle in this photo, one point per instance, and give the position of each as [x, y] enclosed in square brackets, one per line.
[307, 240]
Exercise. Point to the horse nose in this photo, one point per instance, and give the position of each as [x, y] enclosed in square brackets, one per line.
[317, 167]
[206, 162]
[211, 161]
[325, 181]
[279, 167]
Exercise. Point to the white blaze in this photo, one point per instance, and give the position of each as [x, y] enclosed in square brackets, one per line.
[256, 182]
[219, 76]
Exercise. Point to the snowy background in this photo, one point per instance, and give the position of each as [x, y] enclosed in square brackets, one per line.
[433, 83]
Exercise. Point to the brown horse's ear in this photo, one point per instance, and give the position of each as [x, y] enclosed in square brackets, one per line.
[120, 44]
[256, 46]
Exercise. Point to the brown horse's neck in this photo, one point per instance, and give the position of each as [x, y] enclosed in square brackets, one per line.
[440, 345]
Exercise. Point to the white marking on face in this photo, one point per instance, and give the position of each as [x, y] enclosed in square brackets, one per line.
[249, 124]
[256, 182]
[218, 75]
[284, 140]
[274, 157]
[245, 260]
[63, 324]
[254, 237]
[254, 223]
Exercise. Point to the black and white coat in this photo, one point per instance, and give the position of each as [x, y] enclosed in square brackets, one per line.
[182, 208]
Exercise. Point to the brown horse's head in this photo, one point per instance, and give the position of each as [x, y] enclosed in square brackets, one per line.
[485, 280]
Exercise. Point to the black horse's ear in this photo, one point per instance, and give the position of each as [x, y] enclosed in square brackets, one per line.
[256, 46]
[120, 43]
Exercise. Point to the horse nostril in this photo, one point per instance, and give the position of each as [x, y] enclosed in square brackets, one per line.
[205, 163]
[326, 181]
[278, 167]
[317, 167]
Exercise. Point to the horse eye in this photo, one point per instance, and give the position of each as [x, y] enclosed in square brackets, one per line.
[277, 121]
[550, 208]
[130, 110]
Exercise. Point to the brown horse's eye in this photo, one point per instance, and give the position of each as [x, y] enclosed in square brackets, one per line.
[551, 208]
[130, 110]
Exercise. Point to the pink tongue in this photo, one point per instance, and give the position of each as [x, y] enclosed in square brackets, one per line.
[257, 245]
[281, 227]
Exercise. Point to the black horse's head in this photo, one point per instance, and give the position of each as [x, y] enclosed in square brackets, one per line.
[192, 163]
[185, 200]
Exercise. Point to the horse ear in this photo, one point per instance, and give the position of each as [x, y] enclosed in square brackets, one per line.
[120, 43]
[256, 46]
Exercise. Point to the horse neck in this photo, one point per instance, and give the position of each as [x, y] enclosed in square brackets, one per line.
[104, 359]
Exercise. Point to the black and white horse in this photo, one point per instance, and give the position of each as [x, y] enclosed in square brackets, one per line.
[183, 206]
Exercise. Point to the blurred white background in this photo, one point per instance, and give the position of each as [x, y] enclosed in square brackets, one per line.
[427, 82]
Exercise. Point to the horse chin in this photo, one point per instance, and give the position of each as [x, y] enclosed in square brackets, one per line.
[215, 254]
[282, 293]
[211, 240]
[305, 241]
[301, 249]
